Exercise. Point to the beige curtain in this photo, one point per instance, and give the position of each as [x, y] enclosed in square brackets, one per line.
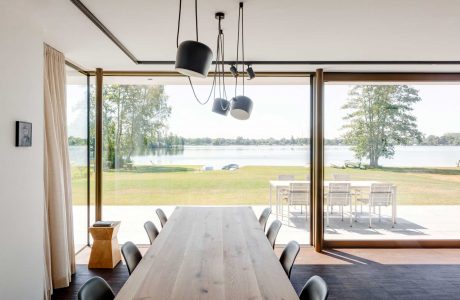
[59, 244]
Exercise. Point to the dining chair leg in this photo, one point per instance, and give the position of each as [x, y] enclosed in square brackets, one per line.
[351, 215]
[370, 215]
[289, 213]
[356, 212]
[282, 210]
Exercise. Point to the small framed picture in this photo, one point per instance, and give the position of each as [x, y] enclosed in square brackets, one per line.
[23, 134]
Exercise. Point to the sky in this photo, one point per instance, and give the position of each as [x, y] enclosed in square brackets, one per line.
[279, 111]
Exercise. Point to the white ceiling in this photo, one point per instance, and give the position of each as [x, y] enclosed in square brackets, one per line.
[274, 30]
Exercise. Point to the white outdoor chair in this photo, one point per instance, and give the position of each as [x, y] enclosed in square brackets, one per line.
[299, 194]
[286, 177]
[381, 194]
[341, 177]
[339, 194]
[283, 192]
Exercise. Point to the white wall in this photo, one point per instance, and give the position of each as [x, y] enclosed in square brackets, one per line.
[21, 169]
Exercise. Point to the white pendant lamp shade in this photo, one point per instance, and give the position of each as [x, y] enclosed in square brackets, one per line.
[241, 107]
[221, 106]
[193, 59]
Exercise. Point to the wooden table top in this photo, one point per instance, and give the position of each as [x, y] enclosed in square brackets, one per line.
[209, 253]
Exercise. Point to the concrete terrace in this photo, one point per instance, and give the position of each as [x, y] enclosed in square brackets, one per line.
[413, 222]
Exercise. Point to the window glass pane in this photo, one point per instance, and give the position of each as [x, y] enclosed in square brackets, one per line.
[163, 149]
[77, 138]
[392, 161]
[92, 154]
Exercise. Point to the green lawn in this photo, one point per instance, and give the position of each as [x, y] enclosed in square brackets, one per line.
[182, 185]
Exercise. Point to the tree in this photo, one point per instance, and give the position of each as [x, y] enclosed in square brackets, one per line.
[134, 119]
[378, 118]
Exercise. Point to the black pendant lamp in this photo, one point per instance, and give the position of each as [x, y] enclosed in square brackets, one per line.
[192, 58]
[241, 105]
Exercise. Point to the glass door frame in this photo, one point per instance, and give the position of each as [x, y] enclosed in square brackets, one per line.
[318, 157]
[88, 158]
[317, 82]
[100, 74]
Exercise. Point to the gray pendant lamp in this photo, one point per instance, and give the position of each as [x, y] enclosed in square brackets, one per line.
[241, 105]
[192, 58]
[220, 105]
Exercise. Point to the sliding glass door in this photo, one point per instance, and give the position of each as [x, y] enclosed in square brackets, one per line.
[162, 149]
[77, 131]
[392, 154]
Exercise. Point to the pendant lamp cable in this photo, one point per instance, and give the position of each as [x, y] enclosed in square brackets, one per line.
[220, 62]
[177, 45]
[242, 40]
[240, 24]
[237, 49]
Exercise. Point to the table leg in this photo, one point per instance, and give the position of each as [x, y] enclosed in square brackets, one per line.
[280, 201]
[270, 195]
[277, 203]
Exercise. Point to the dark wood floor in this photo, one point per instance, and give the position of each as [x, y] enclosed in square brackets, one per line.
[349, 274]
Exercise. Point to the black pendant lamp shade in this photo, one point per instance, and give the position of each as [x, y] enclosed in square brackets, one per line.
[193, 59]
[241, 107]
[221, 106]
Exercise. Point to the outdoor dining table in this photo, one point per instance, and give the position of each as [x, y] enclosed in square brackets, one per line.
[209, 253]
[277, 185]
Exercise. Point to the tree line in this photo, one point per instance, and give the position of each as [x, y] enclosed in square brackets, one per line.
[378, 118]
[175, 141]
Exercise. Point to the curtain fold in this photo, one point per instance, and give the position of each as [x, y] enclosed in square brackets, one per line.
[59, 242]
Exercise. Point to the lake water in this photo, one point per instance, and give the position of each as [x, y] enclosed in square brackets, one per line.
[218, 156]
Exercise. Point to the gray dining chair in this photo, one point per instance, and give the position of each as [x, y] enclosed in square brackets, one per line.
[151, 230]
[264, 217]
[315, 289]
[95, 288]
[272, 232]
[162, 216]
[132, 256]
[288, 256]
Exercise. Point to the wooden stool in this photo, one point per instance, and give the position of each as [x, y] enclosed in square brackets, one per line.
[105, 252]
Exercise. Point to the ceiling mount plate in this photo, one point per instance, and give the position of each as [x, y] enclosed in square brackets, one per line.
[220, 15]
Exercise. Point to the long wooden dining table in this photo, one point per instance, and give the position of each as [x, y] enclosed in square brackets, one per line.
[209, 253]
